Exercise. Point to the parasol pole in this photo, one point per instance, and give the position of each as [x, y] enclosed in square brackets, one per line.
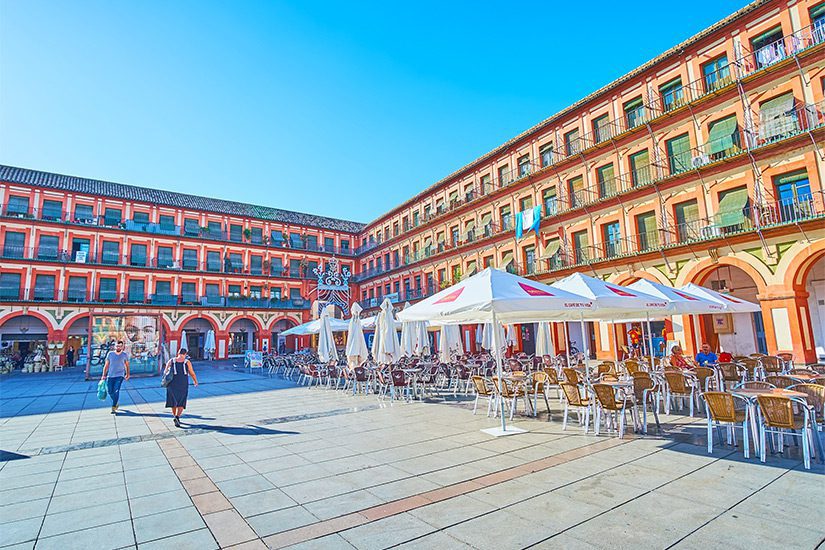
[497, 351]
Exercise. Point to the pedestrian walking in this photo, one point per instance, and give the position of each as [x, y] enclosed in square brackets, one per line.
[178, 389]
[70, 357]
[115, 371]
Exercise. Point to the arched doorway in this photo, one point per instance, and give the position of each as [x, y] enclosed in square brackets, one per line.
[243, 335]
[77, 338]
[814, 282]
[195, 330]
[21, 336]
[737, 333]
[283, 344]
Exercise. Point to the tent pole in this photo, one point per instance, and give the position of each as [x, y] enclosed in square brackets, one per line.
[497, 352]
[615, 344]
[584, 347]
[650, 340]
[567, 344]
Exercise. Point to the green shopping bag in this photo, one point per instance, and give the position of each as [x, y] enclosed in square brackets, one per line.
[101, 390]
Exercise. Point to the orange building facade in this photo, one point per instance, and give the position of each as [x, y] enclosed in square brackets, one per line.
[704, 165]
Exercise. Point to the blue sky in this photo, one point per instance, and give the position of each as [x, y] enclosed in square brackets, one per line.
[343, 109]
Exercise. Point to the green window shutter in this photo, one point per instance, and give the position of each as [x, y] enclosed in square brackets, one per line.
[551, 249]
[818, 11]
[731, 206]
[607, 185]
[723, 135]
[605, 173]
[678, 153]
[791, 177]
[633, 104]
[581, 240]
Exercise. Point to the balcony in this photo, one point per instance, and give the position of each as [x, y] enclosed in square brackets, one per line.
[50, 295]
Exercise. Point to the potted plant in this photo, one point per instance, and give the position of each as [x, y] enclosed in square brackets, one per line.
[247, 234]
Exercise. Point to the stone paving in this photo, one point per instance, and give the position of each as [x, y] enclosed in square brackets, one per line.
[261, 463]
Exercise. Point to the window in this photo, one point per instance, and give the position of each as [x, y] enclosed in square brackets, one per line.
[453, 199]
[312, 242]
[723, 139]
[778, 118]
[294, 268]
[672, 94]
[112, 217]
[607, 181]
[236, 233]
[344, 245]
[601, 129]
[415, 217]
[52, 210]
[140, 217]
[634, 112]
[454, 235]
[525, 204]
[188, 293]
[571, 142]
[277, 238]
[546, 154]
[687, 221]
[14, 245]
[213, 261]
[234, 291]
[734, 209]
[84, 213]
[329, 242]
[191, 227]
[794, 193]
[18, 206]
[10, 286]
[504, 176]
[213, 290]
[255, 292]
[506, 218]
[256, 265]
[529, 259]
[77, 289]
[47, 248]
[678, 154]
[257, 235]
[165, 256]
[647, 232]
[575, 187]
[110, 253]
[44, 287]
[215, 230]
[523, 166]
[80, 250]
[166, 222]
[276, 267]
[137, 290]
[581, 246]
[768, 47]
[818, 23]
[612, 239]
[235, 263]
[486, 184]
[190, 258]
[548, 197]
[640, 168]
[137, 255]
[716, 73]
[295, 240]
[163, 288]
[107, 289]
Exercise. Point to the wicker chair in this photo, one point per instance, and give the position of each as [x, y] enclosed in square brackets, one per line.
[553, 381]
[771, 365]
[540, 381]
[632, 366]
[572, 398]
[678, 385]
[360, 381]
[571, 376]
[754, 385]
[753, 368]
[787, 358]
[721, 409]
[706, 377]
[400, 384]
[781, 381]
[816, 402]
[645, 391]
[730, 374]
[484, 389]
[606, 402]
[777, 414]
[511, 391]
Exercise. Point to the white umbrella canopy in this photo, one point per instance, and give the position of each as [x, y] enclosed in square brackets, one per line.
[494, 293]
[209, 342]
[609, 300]
[408, 336]
[421, 344]
[314, 327]
[326, 342]
[356, 351]
[184, 340]
[388, 348]
[544, 343]
[679, 302]
[732, 304]
[449, 343]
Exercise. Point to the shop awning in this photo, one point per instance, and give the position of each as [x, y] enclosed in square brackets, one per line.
[506, 260]
[551, 249]
[486, 218]
[732, 206]
[469, 228]
[471, 268]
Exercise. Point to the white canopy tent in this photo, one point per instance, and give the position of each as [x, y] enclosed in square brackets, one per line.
[385, 345]
[732, 303]
[357, 351]
[326, 342]
[610, 302]
[314, 327]
[497, 296]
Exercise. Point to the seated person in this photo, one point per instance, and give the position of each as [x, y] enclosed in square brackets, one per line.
[706, 356]
[677, 359]
[725, 357]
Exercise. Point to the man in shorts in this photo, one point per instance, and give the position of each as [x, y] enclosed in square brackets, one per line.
[115, 371]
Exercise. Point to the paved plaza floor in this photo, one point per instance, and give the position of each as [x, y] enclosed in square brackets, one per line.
[262, 463]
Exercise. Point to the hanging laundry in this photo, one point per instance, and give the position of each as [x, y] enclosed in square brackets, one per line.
[528, 220]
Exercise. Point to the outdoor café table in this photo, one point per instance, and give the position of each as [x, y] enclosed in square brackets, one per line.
[803, 378]
[750, 396]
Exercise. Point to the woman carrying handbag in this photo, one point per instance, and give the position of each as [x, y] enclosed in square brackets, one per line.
[176, 379]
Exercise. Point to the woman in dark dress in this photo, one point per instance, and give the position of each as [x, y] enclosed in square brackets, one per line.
[178, 389]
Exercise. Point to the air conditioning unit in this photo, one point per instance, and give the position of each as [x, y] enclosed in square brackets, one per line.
[700, 160]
